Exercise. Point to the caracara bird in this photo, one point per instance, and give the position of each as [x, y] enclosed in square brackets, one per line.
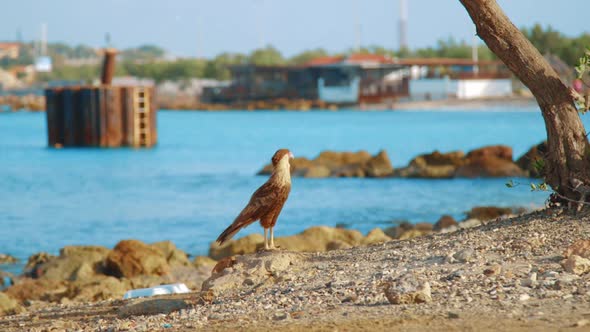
[267, 202]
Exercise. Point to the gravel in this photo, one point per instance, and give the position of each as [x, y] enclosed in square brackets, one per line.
[504, 275]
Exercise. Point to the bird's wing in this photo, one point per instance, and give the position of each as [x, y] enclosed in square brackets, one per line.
[264, 199]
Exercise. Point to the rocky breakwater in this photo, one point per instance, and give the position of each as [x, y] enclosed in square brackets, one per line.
[29, 102]
[94, 273]
[488, 161]
[340, 164]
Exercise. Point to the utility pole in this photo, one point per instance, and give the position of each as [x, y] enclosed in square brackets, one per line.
[475, 56]
[43, 39]
[357, 27]
[403, 24]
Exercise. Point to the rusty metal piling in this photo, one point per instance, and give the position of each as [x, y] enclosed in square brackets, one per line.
[101, 116]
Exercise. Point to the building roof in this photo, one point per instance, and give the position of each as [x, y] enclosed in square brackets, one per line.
[444, 62]
[9, 45]
[353, 59]
[375, 59]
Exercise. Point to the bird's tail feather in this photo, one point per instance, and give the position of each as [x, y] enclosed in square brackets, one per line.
[229, 232]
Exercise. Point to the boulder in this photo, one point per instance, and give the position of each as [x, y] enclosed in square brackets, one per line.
[174, 256]
[445, 221]
[375, 236]
[489, 166]
[533, 157]
[203, 261]
[255, 271]
[8, 305]
[337, 245]
[424, 227]
[223, 264]
[396, 232]
[484, 213]
[579, 248]
[350, 171]
[435, 165]
[98, 288]
[436, 158]
[359, 157]
[490, 161]
[34, 262]
[314, 239]
[192, 277]
[330, 159]
[317, 172]
[299, 165]
[495, 151]
[74, 262]
[7, 259]
[38, 289]
[406, 230]
[379, 166]
[413, 233]
[245, 245]
[130, 258]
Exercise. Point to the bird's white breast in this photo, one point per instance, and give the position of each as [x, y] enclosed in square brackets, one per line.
[283, 172]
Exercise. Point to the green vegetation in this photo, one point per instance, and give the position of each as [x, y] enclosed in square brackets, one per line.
[451, 48]
[583, 71]
[143, 53]
[547, 40]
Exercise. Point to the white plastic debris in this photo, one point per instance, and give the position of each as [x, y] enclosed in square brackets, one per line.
[158, 290]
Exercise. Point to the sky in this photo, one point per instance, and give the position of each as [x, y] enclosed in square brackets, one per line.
[205, 28]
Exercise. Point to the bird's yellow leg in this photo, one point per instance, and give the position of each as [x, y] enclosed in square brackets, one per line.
[272, 238]
[266, 238]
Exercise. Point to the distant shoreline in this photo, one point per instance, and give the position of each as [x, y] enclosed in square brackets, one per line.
[483, 104]
[478, 104]
[27, 103]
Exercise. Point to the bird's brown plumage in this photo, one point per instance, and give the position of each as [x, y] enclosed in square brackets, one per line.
[267, 202]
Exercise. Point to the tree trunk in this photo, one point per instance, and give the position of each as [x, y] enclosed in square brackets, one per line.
[568, 149]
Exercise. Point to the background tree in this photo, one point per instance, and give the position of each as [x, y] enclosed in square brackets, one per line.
[568, 160]
[218, 68]
[549, 41]
[268, 56]
[307, 56]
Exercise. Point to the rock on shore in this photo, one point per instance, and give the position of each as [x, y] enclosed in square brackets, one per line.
[94, 273]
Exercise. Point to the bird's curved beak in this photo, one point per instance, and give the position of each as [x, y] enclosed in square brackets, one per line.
[291, 156]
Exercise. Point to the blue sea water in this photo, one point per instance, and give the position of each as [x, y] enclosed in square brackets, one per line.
[192, 185]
